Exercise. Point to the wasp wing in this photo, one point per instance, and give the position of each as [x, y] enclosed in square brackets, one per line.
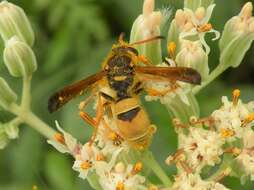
[184, 74]
[63, 96]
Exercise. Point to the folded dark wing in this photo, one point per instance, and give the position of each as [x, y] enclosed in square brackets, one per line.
[183, 74]
[63, 96]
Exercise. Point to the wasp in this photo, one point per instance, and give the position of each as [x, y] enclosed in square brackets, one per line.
[118, 85]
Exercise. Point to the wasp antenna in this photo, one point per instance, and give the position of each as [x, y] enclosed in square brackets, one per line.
[148, 40]
[121, 37]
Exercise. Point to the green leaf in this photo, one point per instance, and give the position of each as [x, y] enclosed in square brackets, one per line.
[26, 156]
[58, 171]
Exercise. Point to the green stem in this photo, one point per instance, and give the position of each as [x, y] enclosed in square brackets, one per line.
[220, 173]
[26, 94]
[36, 123]
[156, 168]
[33, 121]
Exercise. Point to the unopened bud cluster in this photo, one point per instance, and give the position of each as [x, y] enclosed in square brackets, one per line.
[19, 58]
[237, 37]
[18, 36]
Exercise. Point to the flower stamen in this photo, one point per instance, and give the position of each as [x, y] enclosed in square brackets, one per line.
[204, 28]
[233, 150]
[117, 140]
[59, 138]
[137, 168]
[100, 157]
[236, 94]
[185, 167]
[86, 165]
[248, 120]
[171, 49]
[223, 174]
[225, 133]
[178, 124]
[120, 186]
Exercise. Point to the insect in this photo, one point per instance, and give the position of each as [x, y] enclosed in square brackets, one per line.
[118, 85]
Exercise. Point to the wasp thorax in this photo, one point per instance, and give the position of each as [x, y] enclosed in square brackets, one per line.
[120, 74]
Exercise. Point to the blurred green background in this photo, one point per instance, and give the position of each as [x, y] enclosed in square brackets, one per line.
[72, 38]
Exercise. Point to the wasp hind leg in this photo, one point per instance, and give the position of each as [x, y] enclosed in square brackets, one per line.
[93, 121]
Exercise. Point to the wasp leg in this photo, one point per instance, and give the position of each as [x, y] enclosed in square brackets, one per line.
[154, 92]
[144, 60]
[94, 122]
[84, 103]
[138, 87]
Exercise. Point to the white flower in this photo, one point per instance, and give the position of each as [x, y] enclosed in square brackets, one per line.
[64, 142]
[186, 181]
[169, 90]
[246, 160]
[85, 161]
[121, 177]
[92, 159]
[228, 119]
[218, 186]
[202, 147]
[192, 55]
[148, 23]
[246, 157]
[196, 24]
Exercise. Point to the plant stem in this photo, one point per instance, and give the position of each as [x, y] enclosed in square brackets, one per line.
[26, 94]
[33, 121]
[36, 123]
[156, 168]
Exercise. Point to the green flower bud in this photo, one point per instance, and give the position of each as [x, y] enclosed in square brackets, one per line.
[146, 26]
[7, 96]
[19, 58]
[194, 4]
[192, 55]
[173, 34]
[3, 138]
[14, 22]
[237, 37]
[11, 130]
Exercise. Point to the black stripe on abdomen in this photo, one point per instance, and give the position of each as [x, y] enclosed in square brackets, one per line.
[129, 115]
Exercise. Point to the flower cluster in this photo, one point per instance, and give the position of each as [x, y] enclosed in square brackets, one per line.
[194, 181]
[204, 142]
[101, 157]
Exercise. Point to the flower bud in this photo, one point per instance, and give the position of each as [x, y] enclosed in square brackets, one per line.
[14, 22]
[174, 31]
[7, 96]
[19, 58]
[237, 37]
[147, 25]
[192, 55]
[3, 138]
[194, 4]
[11, 130]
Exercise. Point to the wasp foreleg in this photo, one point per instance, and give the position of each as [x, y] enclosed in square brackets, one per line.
[94, 121]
